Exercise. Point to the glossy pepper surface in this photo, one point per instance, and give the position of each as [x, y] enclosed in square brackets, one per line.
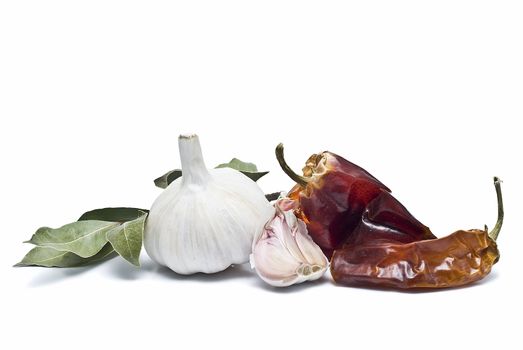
[334, 194]
[462, 257]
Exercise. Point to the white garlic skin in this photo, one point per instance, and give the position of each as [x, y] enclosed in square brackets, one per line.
[204, 221]
[283, 253]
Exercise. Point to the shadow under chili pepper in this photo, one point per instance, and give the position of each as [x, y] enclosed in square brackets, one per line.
[488, 279]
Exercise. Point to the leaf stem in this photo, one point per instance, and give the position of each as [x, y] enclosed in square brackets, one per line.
[495, 231]
[300, 180]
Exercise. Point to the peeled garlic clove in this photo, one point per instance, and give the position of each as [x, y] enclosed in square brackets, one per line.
[206, 220]
[283, 253]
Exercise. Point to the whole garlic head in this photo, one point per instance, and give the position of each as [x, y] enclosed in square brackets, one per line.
[283, 253]
[204, 221]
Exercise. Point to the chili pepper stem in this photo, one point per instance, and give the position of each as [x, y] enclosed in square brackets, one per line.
[495, 231]
[300, 180]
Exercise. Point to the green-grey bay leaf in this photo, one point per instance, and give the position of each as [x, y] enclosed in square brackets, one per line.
[164, 180]
[255, 176]
[248, 169]
[83, 238]
[118, 214]
[127, 238]
[273, 196]
[239, 165]
[49, 257]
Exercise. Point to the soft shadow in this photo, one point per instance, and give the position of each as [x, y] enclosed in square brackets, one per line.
[50, 275]
[290, 289]
[488, 279]
[122, 269]
[234, 272]
[125, 271]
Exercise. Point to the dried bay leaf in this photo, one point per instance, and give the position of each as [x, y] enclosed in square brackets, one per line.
[127, 238]
[117, 214]
[273, 196]
[106, 253]
[164, 180]
[49, 257]
[98, 235]
[83, 238]
[248, 169]
[239, 165]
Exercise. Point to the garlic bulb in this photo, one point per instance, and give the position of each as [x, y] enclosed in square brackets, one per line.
[204, 221]
[283, 253]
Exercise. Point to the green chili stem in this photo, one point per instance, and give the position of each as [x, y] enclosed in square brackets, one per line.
[495, 231]
[300, 180]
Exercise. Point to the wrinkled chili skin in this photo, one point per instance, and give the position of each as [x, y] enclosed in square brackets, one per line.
[336, 196]
[385, 218]
[455, 260]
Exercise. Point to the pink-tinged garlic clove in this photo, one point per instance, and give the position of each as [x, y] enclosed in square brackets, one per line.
[283, 253]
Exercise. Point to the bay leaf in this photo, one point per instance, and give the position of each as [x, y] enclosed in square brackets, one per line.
[49, 257]
[83, 238]
[273, 196]
[87, 240]
[164, 180]
[117, 214]
[106, 253]
[127, 238]
[239, 165]
[248, 169]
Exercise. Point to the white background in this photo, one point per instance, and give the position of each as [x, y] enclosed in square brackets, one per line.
[93, 94]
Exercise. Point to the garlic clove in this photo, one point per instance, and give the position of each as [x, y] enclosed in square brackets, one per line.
[274, 264]
[311, 251]
[283, 252]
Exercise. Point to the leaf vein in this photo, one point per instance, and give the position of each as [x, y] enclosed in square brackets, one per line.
[84, 236]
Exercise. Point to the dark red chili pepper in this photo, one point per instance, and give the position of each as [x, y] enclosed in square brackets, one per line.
[334, 193]
[460, 258]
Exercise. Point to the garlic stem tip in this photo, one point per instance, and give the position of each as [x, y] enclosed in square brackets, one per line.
[187, 136]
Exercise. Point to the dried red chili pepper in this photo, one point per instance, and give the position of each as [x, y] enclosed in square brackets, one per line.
[334, 193]
[462, 257]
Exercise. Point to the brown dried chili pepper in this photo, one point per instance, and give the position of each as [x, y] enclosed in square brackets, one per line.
[334, 193]
[461, 258]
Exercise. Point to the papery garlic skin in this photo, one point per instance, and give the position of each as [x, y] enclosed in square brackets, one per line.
[283, 253]
[204, 221]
